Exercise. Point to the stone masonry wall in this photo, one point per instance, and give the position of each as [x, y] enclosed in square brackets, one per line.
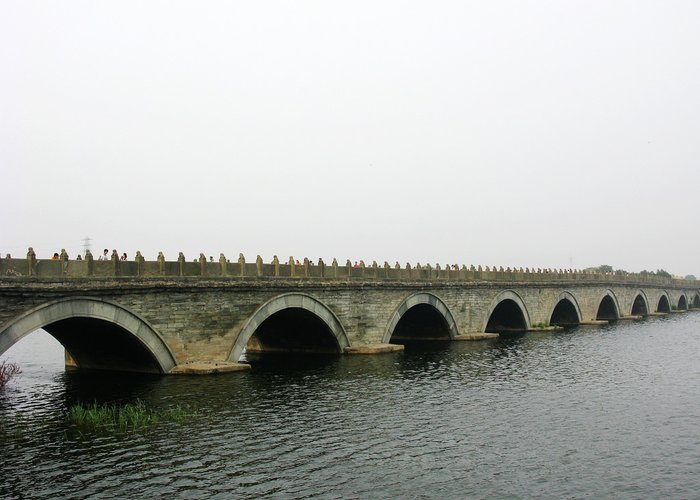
[200, 318]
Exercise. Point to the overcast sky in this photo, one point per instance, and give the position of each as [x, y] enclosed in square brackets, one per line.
[515, 133]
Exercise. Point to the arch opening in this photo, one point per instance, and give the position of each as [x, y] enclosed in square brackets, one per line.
[564, 314]
[507, 317]
[293, 329]
[607, 310]
[97, 334]
[663, 305]
[696, 301]
[421, 322]
[96, 344]
[639, 307]
[682, 303]
[306, 326]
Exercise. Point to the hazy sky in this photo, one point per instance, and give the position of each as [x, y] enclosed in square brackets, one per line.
[515, 133]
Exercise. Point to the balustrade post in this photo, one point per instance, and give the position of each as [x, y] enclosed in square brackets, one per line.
[223, 264]
[241, 263]
[181, 263]
[64, 261]
[31, 262]
[90, 261]
[115, 263]
[139, 263]
[202, 265]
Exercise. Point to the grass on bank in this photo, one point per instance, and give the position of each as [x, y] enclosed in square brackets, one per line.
[123, 417]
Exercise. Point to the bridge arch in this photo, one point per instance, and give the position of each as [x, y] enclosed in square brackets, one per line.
[640, 305]
[126, 341]
[426, 305]
[565, 310]
[664, 303]
[507, 312]
[301, 303]
[682, 302]
[608, 306]
[696, 301]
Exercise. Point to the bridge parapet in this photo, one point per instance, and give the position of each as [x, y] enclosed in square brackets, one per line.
[150, 315]
[293, 269]
[200, 267]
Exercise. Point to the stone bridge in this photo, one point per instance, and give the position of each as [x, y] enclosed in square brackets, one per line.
[202, 316]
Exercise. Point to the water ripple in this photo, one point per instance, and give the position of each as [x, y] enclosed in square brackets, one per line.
[587, 412]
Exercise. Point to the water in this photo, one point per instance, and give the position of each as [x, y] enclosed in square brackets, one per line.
[592, 412]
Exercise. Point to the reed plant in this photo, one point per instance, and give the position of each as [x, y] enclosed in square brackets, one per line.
[122, 417]
[7, 371]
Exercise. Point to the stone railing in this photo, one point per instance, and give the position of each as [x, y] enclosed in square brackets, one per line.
[292, 268]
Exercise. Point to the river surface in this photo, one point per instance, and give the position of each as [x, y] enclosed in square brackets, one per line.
[590, 412]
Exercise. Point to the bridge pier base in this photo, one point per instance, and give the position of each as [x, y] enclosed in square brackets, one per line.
[70, 362]
[374, 349]
[547, 329]
[476, 336]
[631, 318]
[208, 368]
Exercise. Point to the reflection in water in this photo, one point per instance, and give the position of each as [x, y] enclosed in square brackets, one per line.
[594, 412]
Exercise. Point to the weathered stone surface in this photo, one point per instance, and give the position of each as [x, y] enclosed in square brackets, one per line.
[210, 318]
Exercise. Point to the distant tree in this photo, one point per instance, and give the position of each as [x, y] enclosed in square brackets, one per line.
[661, 272]
[600, 269]
[690, 277]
